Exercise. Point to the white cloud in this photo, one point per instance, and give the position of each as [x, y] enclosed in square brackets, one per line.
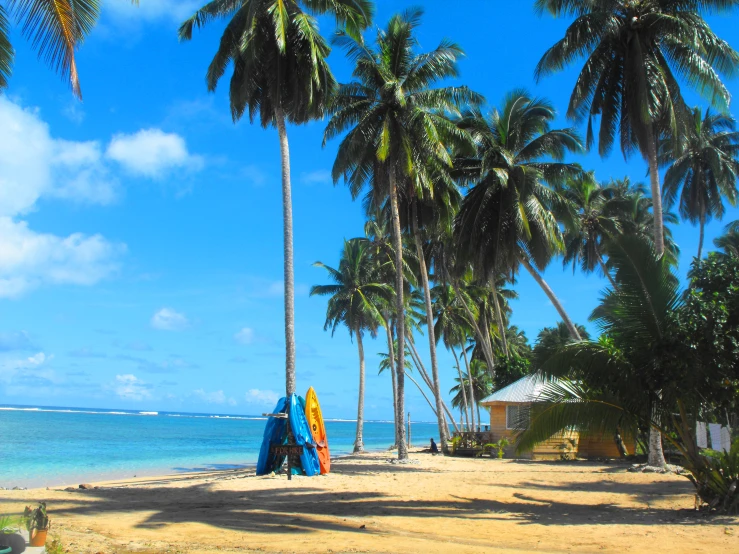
[245, 336]
[167, 319]
[29, 259]
[262, 397]
[152, 10]
[152, 153]
[277, 288]
[35, 165]
[216, 397]
[130, 387]
[74, 112]
[16, 369]
[320, 176]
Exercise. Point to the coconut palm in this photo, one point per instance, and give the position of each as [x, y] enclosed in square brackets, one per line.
[478, 381]
[636, 51]
[729, 241]
[55, 28]
[594, 219]
[280, 73]
[636, 216]
[706, 170]
[397, 133]
[550, 340]
[625, 366]
[355, 299]
[506, 220]
[452, 328]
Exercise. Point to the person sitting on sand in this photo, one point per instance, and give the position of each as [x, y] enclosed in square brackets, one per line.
[434, 448]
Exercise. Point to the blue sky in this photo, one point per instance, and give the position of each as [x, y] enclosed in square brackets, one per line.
[141, 245]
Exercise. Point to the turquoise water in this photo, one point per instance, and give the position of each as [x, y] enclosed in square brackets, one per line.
[59, 446]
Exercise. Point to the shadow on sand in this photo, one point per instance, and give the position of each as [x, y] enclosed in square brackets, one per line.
[280, 508]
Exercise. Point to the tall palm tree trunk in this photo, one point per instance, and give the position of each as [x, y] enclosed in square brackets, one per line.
[287, 221]
[604, 268]
[486, 326]
[359, 441]
[659, 232]
[486, 351]
[400, 310]
[461, 386]
[552, 298]
[702, 231]
[391, 353]
[656, 455]
[424, 374]
[420, 389]
[499, 317]
[469, 383]
[443, 438]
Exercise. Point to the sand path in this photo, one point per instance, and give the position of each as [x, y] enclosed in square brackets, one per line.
[370, 505]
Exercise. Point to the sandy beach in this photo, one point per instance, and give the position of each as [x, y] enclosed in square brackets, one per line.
[369, 504]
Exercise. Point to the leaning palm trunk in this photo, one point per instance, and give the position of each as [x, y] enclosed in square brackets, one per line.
[443, 438]
[499, 317]
[552, 298]
[461, 386]
[472, 390]
[702, 231]
[472, 321]
[420, 389]
[400, 311]
[287, 219]
[604, 268]
[359, 441]
[484, 321]
[659, 237]
[422, 370]
[391, 353]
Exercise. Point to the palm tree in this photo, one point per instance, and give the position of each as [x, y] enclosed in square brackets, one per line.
[706, 170]
[396, 130]
[506, 219]
[279, 72]
[593, 221]
[55, 28]
[635, 52]
[451, 326]
[478, 381]
[633, 207]
[729, 241]
[355, 296]
[624, 367]
[550, 340]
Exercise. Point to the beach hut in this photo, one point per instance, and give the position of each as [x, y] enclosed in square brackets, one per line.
[509, 410]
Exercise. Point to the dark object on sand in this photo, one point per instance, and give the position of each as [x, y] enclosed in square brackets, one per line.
[434, 448]
[12, 543]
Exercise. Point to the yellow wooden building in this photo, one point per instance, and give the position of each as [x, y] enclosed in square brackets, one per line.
[509, 408]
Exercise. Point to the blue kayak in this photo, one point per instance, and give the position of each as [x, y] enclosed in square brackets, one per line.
[303, 436]
[275, 433]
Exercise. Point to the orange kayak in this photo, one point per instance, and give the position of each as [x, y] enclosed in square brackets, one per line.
[318, 429]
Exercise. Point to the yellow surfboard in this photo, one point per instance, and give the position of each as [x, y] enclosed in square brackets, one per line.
[318, 429]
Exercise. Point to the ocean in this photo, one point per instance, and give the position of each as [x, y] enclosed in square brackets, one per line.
[50, 446]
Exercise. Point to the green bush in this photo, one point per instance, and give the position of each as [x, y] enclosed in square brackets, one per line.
[717, 479]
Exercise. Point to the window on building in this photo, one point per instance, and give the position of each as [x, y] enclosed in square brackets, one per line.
[516, 416]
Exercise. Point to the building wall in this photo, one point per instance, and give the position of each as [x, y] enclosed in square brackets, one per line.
[587, 447]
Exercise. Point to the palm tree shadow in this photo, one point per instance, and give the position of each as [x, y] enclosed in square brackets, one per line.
[307, 509]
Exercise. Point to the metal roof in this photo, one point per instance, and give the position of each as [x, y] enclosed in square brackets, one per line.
[526, 389]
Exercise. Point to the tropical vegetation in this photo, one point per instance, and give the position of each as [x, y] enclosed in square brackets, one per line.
[462, 197]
